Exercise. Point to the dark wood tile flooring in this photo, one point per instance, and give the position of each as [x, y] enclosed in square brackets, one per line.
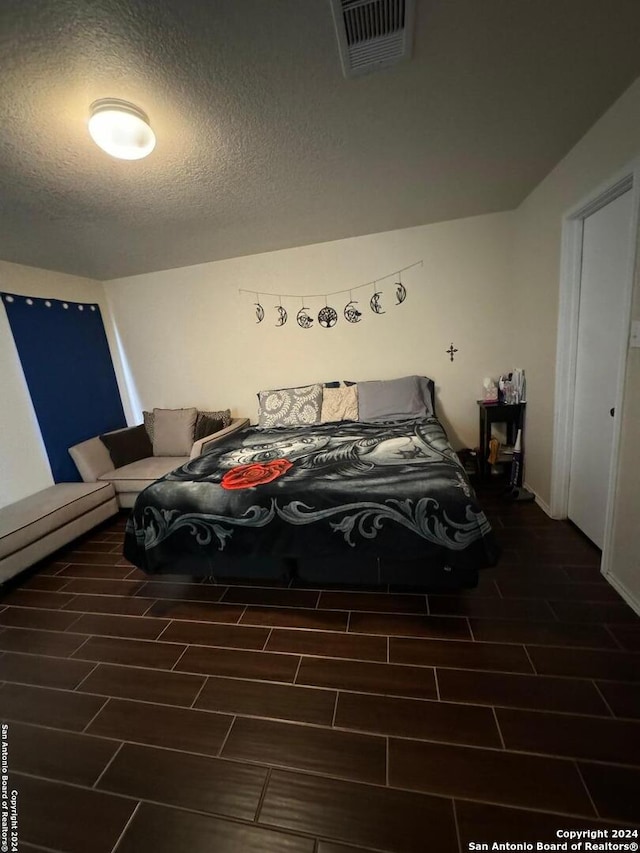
[162, 714]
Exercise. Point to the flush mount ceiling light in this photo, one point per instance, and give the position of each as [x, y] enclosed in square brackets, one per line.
[121, 129]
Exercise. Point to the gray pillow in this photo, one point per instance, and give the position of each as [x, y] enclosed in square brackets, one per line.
[394, 399]
[428, 393]
[290, 406]
[173, 431]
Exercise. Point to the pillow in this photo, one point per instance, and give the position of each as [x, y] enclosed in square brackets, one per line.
[206, 426]
[393, 399]
[339, 404]
[428, 393]
[224, 415]
[127, 445]
[173, 431]
[147, 417]
[290, 406]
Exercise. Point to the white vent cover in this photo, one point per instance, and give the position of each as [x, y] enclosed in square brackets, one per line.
[372, 34]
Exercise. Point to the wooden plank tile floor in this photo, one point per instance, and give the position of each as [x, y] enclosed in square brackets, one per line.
[163, 714]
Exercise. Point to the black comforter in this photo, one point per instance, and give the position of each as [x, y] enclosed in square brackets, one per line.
[330, 490]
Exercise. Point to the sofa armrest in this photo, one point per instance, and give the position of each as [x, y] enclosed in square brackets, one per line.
[203, 444]
[92, 458]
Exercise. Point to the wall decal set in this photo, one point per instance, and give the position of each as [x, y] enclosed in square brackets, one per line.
[328, 316]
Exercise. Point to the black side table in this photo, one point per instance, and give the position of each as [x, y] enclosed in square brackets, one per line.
[497, 413]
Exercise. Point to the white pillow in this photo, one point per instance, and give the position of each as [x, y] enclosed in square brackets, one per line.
[339, 404]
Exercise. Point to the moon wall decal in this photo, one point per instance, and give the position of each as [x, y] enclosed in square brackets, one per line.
[303, 318]
[259, 312]
[351, 313]
[327, 317]
[401, 293]
[282, 315]
[374, 303]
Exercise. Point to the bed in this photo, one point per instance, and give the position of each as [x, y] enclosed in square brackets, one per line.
[383, 502]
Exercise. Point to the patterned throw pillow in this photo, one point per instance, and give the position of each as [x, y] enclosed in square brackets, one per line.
[290, 406]
[340, 404]
[223, 415]
[206, 426]
[148, 424]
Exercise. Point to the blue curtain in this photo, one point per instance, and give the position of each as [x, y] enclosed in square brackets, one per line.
[67, 364]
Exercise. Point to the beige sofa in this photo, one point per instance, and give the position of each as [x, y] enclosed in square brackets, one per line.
[94, 464]
[35, 527]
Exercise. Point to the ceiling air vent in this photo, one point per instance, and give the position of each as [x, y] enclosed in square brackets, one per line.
[372, 34]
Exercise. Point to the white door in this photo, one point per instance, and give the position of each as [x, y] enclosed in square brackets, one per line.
[602, 335]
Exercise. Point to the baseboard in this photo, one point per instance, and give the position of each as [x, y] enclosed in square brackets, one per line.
[622, 590]
[542, 504]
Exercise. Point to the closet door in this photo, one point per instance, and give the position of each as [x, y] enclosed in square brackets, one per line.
[601, 337]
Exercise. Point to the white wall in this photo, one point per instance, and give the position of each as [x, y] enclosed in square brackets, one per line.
[24, 467]
[612, 142]
[191, 339]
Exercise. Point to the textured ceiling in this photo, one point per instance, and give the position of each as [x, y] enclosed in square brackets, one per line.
[262, 144]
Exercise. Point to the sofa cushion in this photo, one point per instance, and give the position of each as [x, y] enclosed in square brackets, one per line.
[173, 431]
[223, 414]
[206, 426]
[138, 475]
[147, 417]
[127, 445]
[32, 518]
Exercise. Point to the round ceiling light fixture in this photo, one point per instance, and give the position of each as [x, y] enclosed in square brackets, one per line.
[121, 129]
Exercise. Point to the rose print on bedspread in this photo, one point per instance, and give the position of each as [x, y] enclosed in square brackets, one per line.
[255, 474]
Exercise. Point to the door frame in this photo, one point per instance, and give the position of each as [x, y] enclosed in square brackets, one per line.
[567, 345]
